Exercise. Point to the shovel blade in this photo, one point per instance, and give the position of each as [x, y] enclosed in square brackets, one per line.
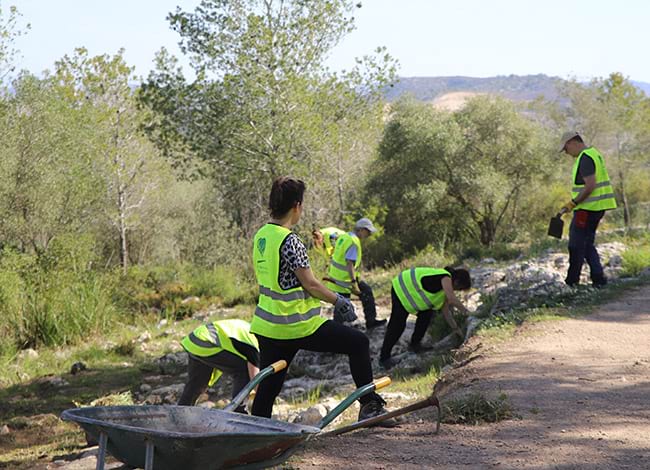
[555, 227]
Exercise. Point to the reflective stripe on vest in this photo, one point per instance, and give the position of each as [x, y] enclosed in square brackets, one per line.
[338, 268]
[280, 313]
[409, 290]
[286, 319]
[602, 197]
[212, 338]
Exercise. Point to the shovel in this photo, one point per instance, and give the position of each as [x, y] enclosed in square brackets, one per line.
[556, 226]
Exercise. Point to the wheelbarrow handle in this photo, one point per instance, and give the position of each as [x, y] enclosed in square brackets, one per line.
[358, 393]
[261, 375]
[430, 401]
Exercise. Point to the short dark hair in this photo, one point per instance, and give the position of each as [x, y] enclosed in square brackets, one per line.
[460, 277]
[285, 193]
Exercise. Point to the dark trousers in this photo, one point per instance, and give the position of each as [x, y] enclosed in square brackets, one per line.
[367, 301]
[397, 324]
[330, 337]
[582, 234]
[199, 371]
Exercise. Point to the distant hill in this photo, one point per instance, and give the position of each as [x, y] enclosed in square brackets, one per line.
[514, 87]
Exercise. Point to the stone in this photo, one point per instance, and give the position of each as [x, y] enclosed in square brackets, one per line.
[615, 261]
[206, 404]
[312, 415]
[645, 272]
[161, 323]
[488, 261]
[77, 367]
[145, 388]
[190, 300]
[28, 353]
[173, 363]
[4, 430]
[144, 337]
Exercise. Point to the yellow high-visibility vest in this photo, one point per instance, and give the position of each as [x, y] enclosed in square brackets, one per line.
[328, 234]
[602, 197]
[217, 336]
[409, 290]
[280, 313]
[338, 270]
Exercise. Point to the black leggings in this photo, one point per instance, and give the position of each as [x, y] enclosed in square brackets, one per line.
[397, 324]
[329, 337]
[199, 371]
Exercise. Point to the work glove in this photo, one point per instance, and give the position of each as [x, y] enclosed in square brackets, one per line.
[568, 207]
[344, 310]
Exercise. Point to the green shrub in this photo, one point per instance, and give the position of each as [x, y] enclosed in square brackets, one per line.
[636, 259]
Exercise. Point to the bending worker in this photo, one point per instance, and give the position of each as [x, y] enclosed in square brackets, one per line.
[343, 274]
[217, 347]
[420, 291]
[325, 238]
[591, 196]
[287, 317]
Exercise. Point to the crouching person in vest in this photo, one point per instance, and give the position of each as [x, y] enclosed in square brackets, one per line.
[218, 347]
[343, 273]
[421, 291]
[591, 196]
[325, 238]
[287, 318]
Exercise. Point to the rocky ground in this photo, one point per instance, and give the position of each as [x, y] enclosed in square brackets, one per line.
[324, 378]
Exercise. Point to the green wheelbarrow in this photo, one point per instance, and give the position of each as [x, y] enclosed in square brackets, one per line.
[189, 438]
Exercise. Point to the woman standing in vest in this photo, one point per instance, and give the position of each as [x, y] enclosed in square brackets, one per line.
[287, 318]
[591, 196]
[420, 291]
[217, 347]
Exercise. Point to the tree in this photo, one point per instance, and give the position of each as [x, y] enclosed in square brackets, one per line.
[9, 31]
[48, 188]
[129, 165]
[614, 115]
[263, 103]
[456, 175]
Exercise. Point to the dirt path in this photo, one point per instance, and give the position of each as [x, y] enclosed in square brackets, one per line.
[580, 386]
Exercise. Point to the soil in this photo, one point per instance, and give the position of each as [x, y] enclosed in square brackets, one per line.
[580, 389]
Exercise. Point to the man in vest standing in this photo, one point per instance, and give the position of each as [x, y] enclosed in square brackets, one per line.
[217, 347]
[343, 273]
[591, 196]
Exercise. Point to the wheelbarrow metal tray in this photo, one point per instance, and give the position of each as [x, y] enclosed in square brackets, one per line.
[189, 438]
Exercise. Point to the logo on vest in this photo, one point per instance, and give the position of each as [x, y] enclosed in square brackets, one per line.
[261, 245]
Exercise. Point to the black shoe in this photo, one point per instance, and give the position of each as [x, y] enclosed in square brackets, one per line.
[375, 324]
[418, 348]
[599, 283]
[387, 363]
[376, 408]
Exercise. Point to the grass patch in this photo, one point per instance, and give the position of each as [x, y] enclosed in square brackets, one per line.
[636, 259]
[476, 408]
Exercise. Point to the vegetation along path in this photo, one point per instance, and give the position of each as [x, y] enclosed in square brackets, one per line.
[579, 389]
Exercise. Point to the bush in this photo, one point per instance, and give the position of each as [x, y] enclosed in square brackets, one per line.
[636, 259]
[52, 299]
[180, 291]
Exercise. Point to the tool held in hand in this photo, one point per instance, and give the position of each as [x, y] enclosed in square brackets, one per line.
[556, 226]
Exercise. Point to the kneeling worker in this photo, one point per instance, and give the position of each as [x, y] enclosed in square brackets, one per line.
[217, 347]
[325, 238]
[420, 291]
[343, 273]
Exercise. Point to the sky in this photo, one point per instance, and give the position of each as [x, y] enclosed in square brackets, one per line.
[478, 38]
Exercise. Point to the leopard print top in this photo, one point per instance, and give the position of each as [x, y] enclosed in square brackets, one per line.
[293, 255]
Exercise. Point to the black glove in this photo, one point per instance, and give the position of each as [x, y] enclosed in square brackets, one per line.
[344, 310]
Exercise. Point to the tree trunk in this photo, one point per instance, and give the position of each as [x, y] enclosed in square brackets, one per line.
[124, 253]
[488, 231]
[626, 207]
